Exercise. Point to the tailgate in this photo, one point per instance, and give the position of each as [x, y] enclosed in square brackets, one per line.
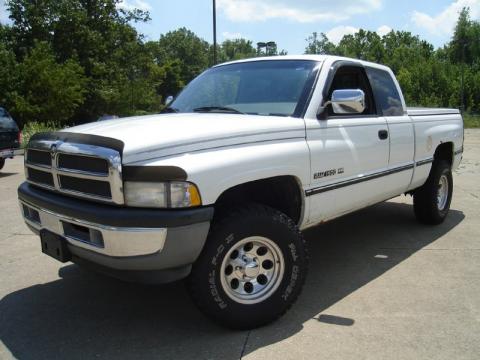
[8, 140]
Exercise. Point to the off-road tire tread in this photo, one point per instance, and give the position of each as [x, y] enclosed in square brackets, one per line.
[424, 198]
[240, 212]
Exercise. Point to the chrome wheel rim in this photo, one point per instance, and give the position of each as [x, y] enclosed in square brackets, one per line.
[252, 270]
[442, 193]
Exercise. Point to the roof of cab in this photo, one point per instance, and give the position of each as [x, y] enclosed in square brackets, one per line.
[319, 58]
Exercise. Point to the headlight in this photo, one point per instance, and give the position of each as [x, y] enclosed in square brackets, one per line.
[174, 194]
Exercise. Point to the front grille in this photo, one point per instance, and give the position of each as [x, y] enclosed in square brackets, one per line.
[83, 163]
[39, 157]
[40, 177]
[86, 186]
[80, 170]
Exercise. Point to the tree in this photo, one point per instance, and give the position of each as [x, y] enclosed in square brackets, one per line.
[364, 44]
[465, 44]
[236, 49]
[319, 44]
[47, 91]
[8, 77]
[183, 45]
[93, 33]
[171, 83]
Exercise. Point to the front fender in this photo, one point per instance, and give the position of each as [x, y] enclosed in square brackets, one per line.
[217, 170]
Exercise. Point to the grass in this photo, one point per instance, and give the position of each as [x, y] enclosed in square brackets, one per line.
[34, 127]
[471, 121]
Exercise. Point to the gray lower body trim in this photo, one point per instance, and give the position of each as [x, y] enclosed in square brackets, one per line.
[137, 276]
[182, 247]
[358, 180]
[424, 162]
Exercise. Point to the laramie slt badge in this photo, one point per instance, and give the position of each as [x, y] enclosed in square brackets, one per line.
[332, 172]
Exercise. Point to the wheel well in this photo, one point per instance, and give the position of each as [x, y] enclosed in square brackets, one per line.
[444, 152]
[282, 193]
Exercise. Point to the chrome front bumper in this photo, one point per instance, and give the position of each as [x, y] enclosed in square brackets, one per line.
[105, 240]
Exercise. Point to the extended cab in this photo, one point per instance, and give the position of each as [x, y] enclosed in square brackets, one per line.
[219, 187]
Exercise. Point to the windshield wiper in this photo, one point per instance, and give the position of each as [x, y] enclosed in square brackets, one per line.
[217, 108]
[169, 110]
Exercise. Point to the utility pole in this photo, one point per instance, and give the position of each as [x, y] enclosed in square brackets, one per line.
[214, 32]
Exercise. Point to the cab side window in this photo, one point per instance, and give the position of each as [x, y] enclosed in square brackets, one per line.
[353, 77]
[386, 93]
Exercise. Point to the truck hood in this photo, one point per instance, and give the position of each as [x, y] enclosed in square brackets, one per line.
[157, 136]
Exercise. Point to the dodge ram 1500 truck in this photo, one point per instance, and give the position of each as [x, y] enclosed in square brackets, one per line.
[218, 188]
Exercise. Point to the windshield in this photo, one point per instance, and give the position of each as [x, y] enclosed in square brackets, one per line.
[6, 122]
[276, 87]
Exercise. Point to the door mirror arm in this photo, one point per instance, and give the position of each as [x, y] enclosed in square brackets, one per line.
[322, 111]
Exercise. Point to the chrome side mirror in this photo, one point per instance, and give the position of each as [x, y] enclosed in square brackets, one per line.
[351, 101]
[168, 100]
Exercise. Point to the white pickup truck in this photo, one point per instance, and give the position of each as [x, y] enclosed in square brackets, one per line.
[218, 188]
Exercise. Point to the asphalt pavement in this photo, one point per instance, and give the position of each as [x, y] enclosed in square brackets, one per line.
[381, 286]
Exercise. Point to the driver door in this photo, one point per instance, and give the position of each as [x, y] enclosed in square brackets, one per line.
[348, 152]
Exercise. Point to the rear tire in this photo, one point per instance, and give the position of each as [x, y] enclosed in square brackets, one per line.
[252, 268]
[2, 163]
[431, 202]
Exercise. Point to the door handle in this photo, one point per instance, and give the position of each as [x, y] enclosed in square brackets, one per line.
[383, 134]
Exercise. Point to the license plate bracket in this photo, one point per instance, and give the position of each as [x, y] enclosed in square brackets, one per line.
[55, 246]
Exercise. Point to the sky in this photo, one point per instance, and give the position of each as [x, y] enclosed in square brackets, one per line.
[289, 23]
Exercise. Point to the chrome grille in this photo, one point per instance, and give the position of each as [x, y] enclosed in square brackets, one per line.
[40, 177]
[81, 170]
[88, 164]
[39, 157]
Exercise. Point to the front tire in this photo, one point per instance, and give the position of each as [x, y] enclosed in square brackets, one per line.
[431, 202]
[251, 269]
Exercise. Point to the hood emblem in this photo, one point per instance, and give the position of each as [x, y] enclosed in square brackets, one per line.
[54, 148]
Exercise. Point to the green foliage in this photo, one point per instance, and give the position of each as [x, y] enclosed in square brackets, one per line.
[171, 78]
[71, 61]
[427, 77]
[121, 75]
[465, 44]
[236, 49]
[471, 121]
[34, 127]
[8, 77]
[47, 91]
[183, 45]
[320, 45]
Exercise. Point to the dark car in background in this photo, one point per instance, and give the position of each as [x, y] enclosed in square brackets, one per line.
[9, 136]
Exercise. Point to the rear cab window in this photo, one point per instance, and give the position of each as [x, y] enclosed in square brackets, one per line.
[386, 94]
[6, 121]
